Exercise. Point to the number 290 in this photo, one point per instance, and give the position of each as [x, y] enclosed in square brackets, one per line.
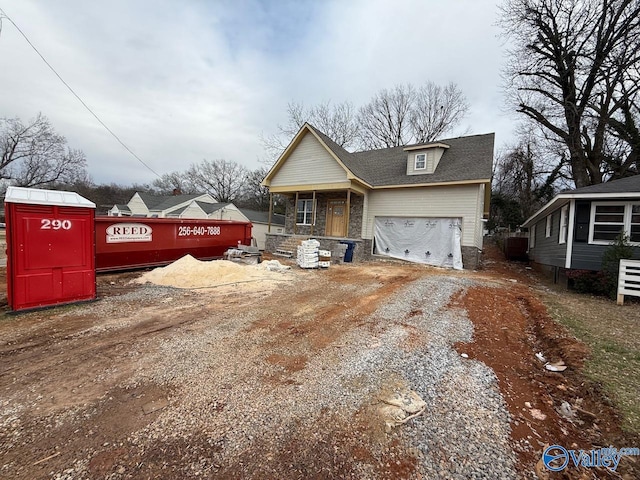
[48, 224]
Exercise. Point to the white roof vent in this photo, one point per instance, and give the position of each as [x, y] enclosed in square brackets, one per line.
[39, 196]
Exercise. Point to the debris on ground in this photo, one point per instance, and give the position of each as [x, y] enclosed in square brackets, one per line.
[558, 366]
[400, 407]
[274, 266]
[566, 411]
[537, 414]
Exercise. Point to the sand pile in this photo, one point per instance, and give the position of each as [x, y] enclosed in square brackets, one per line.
[188, 272]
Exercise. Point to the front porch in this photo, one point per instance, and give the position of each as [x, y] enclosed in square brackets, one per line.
[330, 213]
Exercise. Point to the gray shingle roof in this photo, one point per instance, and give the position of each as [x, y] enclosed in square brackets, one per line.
[209, 208]
[468, 158]
[622, 185]
[163, 202]
[612, 190]
[262, 217]
[206, 207]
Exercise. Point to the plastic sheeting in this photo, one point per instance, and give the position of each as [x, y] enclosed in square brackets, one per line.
[434, 241]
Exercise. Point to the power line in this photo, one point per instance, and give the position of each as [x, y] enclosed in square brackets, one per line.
[4, 15]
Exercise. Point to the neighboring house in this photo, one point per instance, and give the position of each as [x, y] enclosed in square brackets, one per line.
[260, 222]
[573, 230]
[147, 205]
[177, 206]
[423, 203]
[213, 211]
[119, 211]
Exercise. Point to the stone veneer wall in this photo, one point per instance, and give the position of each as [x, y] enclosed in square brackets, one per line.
[361, 252]
[471, 257]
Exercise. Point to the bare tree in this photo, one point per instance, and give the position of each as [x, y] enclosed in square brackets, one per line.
[254, 195]
[406, 115]
[386, 119]
[573, 70]
[338, 121]
[174, 181]
[33, 155]
[522, 175]
[437, 110]
[399, 116]
[223, 179]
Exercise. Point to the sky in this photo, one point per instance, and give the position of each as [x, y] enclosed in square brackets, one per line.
[180, 82]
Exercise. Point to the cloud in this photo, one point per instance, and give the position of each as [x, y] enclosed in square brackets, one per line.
[179, 82]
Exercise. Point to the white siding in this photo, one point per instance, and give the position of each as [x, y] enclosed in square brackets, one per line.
[229, 212]
[309, 163]
[446, 201]
[137, 206]
[479, 215]
[259, 232]
[193, 211]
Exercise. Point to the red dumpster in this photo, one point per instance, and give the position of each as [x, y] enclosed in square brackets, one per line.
[130, 242]
[50, 248]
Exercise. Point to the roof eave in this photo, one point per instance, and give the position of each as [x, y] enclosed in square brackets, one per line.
[563, 198]
[434, 184]
[426, 146]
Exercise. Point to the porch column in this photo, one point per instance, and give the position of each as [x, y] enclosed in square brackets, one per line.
[348, 211]
[270, 212]
[313, 212]
[295, 215]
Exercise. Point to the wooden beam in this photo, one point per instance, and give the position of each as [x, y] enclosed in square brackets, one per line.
[270, 212]
[313, 211]
[348, 212]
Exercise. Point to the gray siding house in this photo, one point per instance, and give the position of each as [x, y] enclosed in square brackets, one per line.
[400, 202]
[574, 229]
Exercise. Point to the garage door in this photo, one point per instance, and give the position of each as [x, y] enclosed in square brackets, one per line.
[434, 241]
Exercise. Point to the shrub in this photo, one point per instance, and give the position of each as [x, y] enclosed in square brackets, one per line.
[588, 281]
[604, 282]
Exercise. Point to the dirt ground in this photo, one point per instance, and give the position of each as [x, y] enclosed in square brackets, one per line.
[73, 397]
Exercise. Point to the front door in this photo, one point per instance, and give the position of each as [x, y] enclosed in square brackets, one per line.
[336, 218]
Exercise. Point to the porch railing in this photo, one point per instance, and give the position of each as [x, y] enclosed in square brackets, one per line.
[628, 279]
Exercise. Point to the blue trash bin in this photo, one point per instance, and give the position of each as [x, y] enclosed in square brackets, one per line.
[348, 255]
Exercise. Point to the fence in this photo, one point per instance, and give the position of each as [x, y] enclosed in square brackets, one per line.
[629, 279]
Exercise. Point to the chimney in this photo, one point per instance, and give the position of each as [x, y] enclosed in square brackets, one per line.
[177, 191]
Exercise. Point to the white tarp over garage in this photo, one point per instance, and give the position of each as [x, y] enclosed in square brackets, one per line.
[434, 241]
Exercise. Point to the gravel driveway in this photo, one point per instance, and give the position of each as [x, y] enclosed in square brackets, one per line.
[157, 382]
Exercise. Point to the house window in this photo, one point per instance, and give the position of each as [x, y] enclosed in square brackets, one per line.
[532, 237]
[634, 231]
[304, 212]
[421, 161]
[564, 217]
[547, 228]
[607, 222]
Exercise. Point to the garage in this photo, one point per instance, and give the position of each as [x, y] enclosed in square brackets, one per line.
[428, 240]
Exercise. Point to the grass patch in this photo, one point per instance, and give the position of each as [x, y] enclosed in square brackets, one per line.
[611, 332]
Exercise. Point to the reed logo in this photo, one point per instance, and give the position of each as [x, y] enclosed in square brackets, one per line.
[129, 232]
